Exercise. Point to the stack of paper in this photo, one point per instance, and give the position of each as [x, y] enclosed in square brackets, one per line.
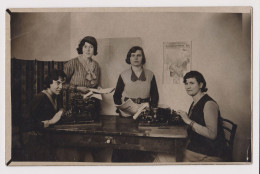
[129, 108]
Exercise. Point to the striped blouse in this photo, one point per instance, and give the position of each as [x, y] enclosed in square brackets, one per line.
[78, 75]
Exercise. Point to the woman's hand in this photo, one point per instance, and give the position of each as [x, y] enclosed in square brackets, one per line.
[54, 119]
[82, 89]
[184, 116]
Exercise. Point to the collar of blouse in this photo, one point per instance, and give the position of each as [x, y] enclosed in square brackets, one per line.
[135, 78]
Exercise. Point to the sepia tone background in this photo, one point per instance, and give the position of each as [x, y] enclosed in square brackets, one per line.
[221, 45]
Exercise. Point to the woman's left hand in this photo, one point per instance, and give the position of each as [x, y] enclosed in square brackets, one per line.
[184, 116]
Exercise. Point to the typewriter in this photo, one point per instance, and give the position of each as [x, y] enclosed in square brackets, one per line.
[81, 111]
[159, 117]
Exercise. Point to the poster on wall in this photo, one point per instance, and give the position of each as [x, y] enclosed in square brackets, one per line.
[176, 61]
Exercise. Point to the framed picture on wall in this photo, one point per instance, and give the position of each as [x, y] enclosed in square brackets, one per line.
[177, 61]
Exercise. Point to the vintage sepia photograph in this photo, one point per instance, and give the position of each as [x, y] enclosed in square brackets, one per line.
[143, 86]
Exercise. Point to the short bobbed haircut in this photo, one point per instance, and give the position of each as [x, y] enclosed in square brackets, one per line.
[198, 76]
[133, 50]
[89, 39]
[54, 75]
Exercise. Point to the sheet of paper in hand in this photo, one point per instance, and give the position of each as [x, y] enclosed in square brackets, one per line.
[102, 91]
[129, 108]
[92, 95]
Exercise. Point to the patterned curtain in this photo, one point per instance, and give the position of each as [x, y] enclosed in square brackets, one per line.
[27, 79]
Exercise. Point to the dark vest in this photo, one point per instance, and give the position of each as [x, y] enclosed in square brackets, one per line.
[199, 143]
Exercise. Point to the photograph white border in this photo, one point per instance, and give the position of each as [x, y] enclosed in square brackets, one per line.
[151, 169]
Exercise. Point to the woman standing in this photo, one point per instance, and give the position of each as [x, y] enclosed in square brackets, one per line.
[206, 134]
[138, 84]
[83, 73]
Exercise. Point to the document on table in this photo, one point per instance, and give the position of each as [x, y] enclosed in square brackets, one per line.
[129, 108]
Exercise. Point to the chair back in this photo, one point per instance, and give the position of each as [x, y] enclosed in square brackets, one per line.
[230, 132]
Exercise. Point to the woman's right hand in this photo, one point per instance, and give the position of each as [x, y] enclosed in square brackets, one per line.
[184, 116]
[82, 89]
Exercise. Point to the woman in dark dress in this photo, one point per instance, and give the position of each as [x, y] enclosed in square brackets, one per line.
[41, 113]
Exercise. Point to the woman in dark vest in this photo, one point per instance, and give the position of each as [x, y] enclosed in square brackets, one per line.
[206, 134]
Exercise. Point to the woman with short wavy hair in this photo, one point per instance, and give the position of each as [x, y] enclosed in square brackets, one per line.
[138, 84]
[206, 134]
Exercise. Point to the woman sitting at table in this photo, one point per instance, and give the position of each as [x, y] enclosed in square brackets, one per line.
[41, 113]
[138, 84]
[206, 134]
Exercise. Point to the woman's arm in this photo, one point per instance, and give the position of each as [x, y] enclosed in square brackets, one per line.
[118, 91]
[54, 119]
[211, 120]
[154, 93]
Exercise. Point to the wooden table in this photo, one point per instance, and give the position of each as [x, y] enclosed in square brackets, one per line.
[120, 133]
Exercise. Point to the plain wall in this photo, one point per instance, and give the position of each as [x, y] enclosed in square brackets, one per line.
[220, 51]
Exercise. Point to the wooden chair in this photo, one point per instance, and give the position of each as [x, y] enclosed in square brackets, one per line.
[230, 132]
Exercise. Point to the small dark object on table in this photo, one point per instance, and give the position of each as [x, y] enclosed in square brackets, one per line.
[164, 117]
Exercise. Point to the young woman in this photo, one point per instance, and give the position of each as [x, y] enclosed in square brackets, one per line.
[42, 112]
[138, 84]
[206, 134]
[83, 73]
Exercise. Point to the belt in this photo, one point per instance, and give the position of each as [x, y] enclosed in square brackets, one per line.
[139, 100]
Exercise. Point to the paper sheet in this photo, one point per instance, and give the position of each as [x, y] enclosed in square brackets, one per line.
[98, 96]
[87, 95]
[102, 91]
[92, 95]
[140, 110]
[129, 108]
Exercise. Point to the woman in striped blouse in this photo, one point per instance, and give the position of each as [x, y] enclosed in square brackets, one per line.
[83, 73]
